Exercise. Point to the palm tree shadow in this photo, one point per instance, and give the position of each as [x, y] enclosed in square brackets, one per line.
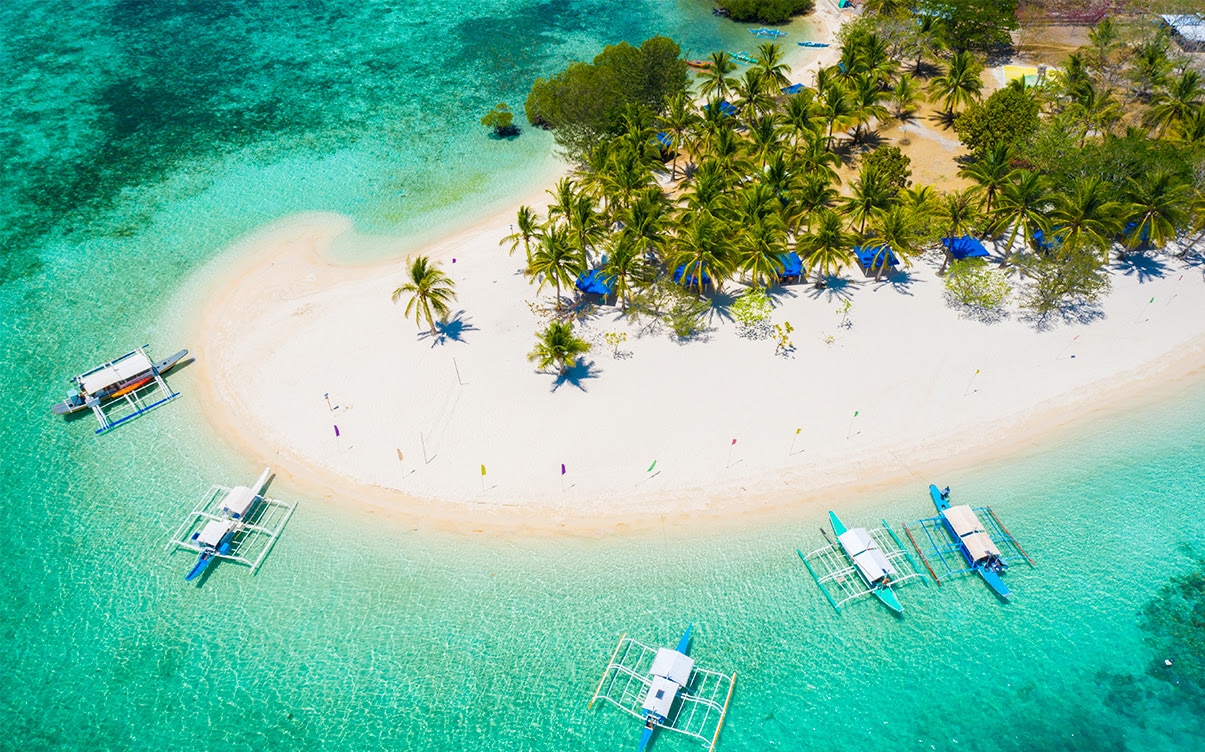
[1144, 267]
[721, 306]
[834, 288]
[944, 119]
[576, 374]
[451, 330]
[901, 281]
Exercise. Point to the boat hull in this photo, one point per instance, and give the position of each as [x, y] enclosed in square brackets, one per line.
[986, 570]
[887, 597]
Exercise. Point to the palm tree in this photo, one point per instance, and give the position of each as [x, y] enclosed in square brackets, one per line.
[679, 117]
[626, 267]
[1172, 106]
[527, 226]
[1023, 205]
[959, 84]
[865, 99]
[760, 246]
[715, 81]
[557, 346]
[430, 292]
[814, 158]
[708, 189]
[958, 211]
[826, 247]
[896, 228]
[799, 116]
[628, 174]
[1150, 66]
[556, 260]
[927, 39]
[990, 172]
[814, 192]
[869, 194]
[835, 108]
[765, 135]
[1158, 208]
[700, 250]
[904, 96]
[1086, 217]
[564, 197]
[752, 95]
[769, 63]
[585, 225]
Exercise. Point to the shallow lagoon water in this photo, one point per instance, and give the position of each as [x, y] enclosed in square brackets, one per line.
[362, 635]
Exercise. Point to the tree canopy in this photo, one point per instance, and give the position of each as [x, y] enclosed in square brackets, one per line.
[765, 11]
[973, 24]
[1006, 118]
[587, 101]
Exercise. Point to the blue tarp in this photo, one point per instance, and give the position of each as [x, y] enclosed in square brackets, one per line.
[792, 266]
[663, 140]
[964, 247]
[871, 257]
[794, 89]
[725, 108]
[1045, 244]
[690, 280]
[1127, 235]
[594, 281]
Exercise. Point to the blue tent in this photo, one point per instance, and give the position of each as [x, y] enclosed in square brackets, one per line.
[1127, 235]
[794, 89]
[964, 247]
[1046, 244]
[726, 108]
[690, 280]
[792, 266]
[870, 258]
[595, 282]
[663, 140]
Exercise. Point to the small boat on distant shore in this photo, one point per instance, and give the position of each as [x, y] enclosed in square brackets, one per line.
[812, 44]
[765, 33]
[217, 537]
[699, 64]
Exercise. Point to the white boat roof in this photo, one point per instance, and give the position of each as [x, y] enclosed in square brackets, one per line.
[673, 665]
[867, 556]
[238, 501]
[211, 534]
[980, 546]
[963, 519]
[660, 697]
[136, 363]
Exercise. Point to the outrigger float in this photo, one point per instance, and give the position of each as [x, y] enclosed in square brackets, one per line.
[765, 33]
[239, 524]
[126, 387]
[961, 540]
[862, 562]
[743, 57]
[665, 689]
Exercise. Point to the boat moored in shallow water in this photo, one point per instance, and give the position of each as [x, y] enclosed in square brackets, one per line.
[132, 381]
[869, 561]
[861, 562]
[217, 537]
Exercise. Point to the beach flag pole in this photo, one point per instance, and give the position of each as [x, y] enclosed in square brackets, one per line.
[562, 477]
[648, 473]
[791, 451]
[327, 397]
[1065, 349]
[850, 431]
[1143, 312]
[730, 446]
[458, 381]
[970, 383]
[423, 442]
[483, 477]
[1175, 290]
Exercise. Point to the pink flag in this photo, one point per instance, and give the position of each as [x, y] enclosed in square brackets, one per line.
[734, 442]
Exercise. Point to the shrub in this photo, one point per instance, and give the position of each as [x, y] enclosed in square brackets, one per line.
[892, 164]
[972, 282]
[752, 312]
[765, 11]
[1008, 117]
[502, 120]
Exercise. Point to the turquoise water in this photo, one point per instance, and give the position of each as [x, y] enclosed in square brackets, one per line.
[146, 136]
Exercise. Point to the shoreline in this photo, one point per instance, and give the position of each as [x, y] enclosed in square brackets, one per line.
[278, 269]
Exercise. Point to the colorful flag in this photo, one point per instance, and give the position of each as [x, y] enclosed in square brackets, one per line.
[399, 455]
[651, 467]
[855, 413]
[797, 430]
[976, 371]
[734, 442]
[336, 432]
[562, 468]
[483, 471]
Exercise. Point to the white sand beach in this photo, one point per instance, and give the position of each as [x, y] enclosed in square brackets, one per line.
[900, 387]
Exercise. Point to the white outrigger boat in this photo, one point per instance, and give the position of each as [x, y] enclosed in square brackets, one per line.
[239, 524]
[132, 380]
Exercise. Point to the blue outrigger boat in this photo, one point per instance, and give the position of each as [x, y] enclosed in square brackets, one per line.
[981, 553]
[868, 560]
[671, 672]
[217, 537]
[812, 44]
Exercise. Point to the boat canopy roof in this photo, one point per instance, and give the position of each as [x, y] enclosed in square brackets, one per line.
[132, 365]
[963, 519]
[238, 501]
[660, 697]
[212, 533]
[672, 665]
[867, 555]
[980, 546]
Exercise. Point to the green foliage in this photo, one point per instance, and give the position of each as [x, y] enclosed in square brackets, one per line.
[1062, 281]
[558, 346]
[502, 120]
[685, 312]
[892, 165]
[585, 102]
[752, 310]
[1006, 118]
[782, 338]
[972, 282]
[765, 11]
[614, 340]
[973, 24]
[429, 290]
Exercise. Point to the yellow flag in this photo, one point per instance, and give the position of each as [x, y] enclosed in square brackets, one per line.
[483, 470]
[797, 430]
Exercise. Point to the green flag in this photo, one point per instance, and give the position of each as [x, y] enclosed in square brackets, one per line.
[651, 467]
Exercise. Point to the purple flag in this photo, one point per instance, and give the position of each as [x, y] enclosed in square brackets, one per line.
[336, 432]
[562, 468]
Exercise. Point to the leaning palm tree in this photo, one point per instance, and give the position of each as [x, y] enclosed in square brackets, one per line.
[1176, 103]
[626, 267]
[959, 85]
[557, 260]
[557, 346]
[826, 247]
[430, 292]
[958, 210]
[715, 81]
[527, 226]
[761, 246]
[678, 119]
[1023, 205]
[1158, 208]
[869, 194]
[895, 230]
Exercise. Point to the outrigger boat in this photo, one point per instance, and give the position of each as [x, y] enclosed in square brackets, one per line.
[765, 33]
[666, 690]
[868, 559]
[812, 44]
[699, 64]
[217, 537]
[124, 377]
